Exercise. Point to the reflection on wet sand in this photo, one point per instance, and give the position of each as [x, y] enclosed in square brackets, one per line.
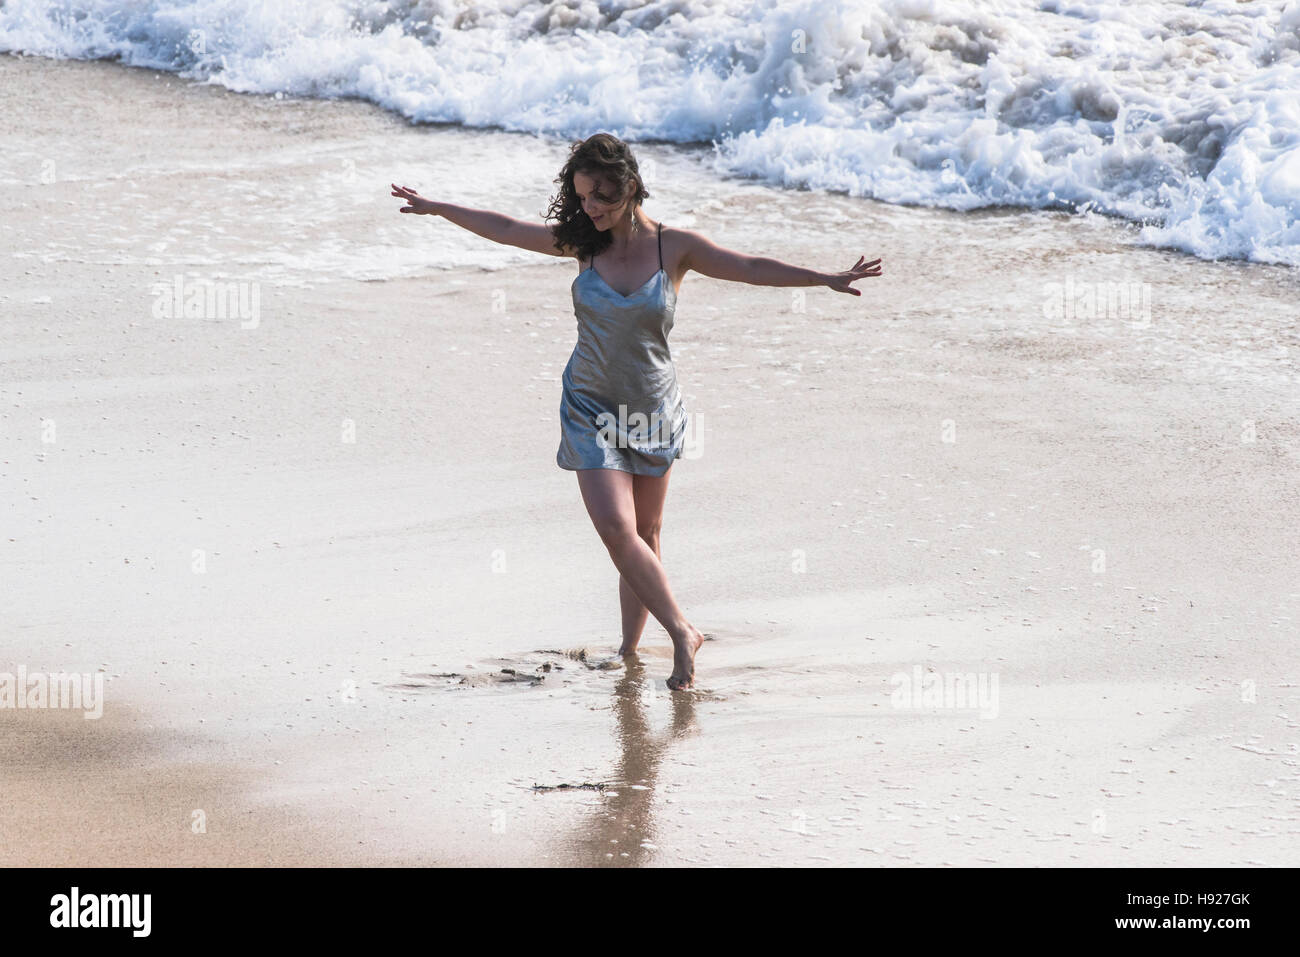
[620, 830]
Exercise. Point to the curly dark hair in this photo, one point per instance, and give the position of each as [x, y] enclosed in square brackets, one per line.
[607, 158]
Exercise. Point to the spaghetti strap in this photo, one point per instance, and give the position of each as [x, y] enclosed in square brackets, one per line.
[591, 263]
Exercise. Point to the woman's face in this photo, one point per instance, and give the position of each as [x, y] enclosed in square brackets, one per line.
[598, 200]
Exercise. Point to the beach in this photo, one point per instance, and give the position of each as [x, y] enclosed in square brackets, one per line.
[348, 608]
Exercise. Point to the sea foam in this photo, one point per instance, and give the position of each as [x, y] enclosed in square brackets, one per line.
[1183, 117]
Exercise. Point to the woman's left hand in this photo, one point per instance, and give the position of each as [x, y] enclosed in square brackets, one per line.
[841, 281]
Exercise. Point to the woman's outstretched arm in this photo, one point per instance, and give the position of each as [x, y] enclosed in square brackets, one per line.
[497, 227]
[709, 259]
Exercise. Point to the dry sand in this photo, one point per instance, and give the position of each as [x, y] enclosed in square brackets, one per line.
[1099, 535]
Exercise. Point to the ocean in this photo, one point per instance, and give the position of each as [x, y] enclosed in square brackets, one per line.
[1181, 118]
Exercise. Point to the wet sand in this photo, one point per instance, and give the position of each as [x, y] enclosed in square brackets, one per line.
[278, 541]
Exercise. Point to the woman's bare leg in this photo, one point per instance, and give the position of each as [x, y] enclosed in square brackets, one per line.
[608, 496]
[648, 494]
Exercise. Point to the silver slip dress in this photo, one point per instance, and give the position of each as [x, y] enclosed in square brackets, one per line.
[620, 407]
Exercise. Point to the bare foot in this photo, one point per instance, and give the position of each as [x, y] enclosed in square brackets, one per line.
[683, 675]
[626, 649]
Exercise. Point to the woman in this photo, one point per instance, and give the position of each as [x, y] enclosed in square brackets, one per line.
[622, 420]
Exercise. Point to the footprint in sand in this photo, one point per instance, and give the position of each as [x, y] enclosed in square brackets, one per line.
[533, 670]
[588, 660]
[452, 679]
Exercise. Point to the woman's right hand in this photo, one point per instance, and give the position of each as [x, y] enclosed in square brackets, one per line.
[417, 203]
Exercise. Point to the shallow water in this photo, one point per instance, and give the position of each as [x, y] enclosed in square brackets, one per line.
[1184, 116]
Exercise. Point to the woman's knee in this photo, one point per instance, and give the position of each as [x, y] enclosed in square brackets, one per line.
[648, 532]
[616, 533]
